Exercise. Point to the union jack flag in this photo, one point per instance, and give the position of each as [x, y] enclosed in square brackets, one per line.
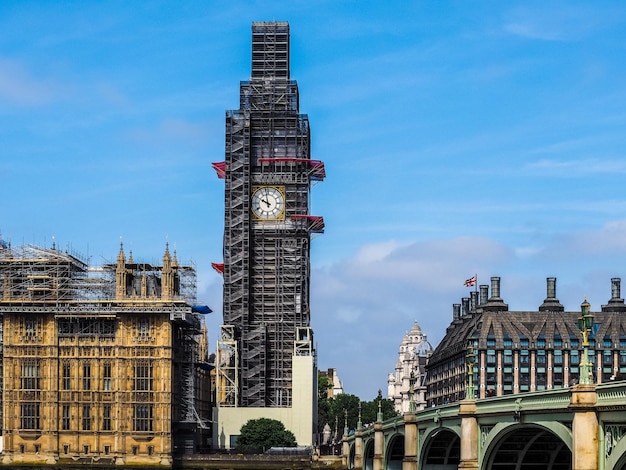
[470, 282]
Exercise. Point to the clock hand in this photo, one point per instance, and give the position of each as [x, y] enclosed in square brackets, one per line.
[266, 202]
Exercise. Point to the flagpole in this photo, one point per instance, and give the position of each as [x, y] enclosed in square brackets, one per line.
[476, 283]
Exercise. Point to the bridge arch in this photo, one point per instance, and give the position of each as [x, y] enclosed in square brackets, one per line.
[351, 455]
[368, 454]
[614, 448]
[441, 450]
[619, 465]
[394, 452]
[528, 446]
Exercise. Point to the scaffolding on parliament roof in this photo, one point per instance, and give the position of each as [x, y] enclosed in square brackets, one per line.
[31, 274]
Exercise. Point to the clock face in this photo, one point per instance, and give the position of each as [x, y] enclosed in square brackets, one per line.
[268, 202]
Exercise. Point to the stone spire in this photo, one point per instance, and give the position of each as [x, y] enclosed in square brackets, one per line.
[204, 344]
[167, 281]
[120, 274]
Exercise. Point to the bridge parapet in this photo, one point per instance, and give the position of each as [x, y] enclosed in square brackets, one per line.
[612, 395]
[551, 400]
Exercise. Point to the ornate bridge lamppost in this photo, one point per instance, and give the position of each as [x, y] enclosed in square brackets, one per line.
[585, 323]
[470, 359]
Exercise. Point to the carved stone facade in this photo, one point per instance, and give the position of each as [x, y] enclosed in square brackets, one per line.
[99, 368]
[409, 379]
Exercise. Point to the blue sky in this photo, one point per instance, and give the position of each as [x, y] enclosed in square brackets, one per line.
[459, 137]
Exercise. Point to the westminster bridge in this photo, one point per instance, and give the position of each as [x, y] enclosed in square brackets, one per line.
[578, 428]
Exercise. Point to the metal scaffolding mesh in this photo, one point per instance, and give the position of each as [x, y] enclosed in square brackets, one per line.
[31, 274]
[266, 262]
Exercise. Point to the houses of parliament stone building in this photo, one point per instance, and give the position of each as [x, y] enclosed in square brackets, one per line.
[100, 364]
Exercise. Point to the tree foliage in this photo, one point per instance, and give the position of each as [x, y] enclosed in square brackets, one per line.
[262, 433]
[335, 411]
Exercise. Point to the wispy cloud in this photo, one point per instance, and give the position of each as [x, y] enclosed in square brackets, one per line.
[553, 23]
[608, 240]
[20, 87]
[576, 168]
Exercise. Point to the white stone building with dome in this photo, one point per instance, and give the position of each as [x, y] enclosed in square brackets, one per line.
[412, 357]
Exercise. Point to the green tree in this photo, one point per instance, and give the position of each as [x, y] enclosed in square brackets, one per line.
[369, 409]
[260, 434]
[323, 386]
[344, 407]
[323, 404]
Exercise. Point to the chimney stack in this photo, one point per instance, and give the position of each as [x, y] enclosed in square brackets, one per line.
[495, 289]
[551, 303]
[615, 288]
[465, 306]
[484, 294]
[616, 304]
[456, 312]
[495, 302]
[473, 300]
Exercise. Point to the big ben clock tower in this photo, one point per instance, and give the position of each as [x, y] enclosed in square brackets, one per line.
[265, 356]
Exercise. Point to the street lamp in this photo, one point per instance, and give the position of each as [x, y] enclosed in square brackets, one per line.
[470, 358]
[585, 322]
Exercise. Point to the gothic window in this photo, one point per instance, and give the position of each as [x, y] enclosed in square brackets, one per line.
[143, 376]
[30, 415]
[66, 379]
[65, 418]
[30, 374]
[142, 419]
[106, 418]
[86, 418]
[106, 376]
[30, 327]
[87, 376]
[143, 328]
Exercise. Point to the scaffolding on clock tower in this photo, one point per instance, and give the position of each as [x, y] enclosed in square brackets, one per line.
[266, 264]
